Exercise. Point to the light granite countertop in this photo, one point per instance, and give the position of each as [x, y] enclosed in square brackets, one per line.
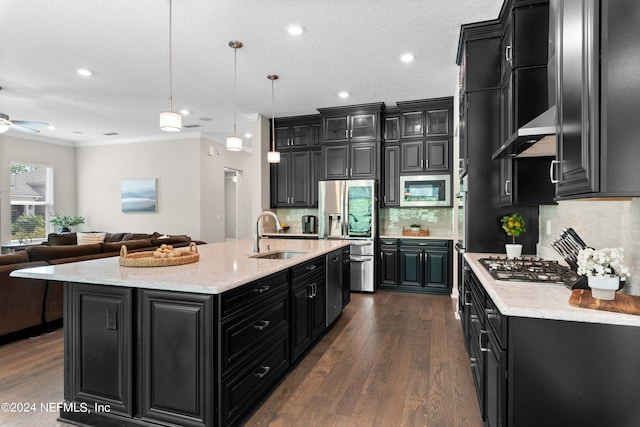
[222, 267]
[539, 300]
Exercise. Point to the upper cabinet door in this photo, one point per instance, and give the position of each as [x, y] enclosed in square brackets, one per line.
[438, 122]
[437, 156]
[282, 136]
[300, 136]
[506, 50]
[363, 127]
[412, 157]
[412, 124]
[336, 129]
[392, 129]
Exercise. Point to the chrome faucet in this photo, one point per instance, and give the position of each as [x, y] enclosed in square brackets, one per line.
[256, 238]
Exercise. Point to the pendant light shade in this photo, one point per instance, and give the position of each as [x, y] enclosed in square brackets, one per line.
[170, 121]
[234, 143]
[273, 156]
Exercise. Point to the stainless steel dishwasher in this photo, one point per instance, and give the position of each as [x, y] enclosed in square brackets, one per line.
[362, 266]
[333, 286]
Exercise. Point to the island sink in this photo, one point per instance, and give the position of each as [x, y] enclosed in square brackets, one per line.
[277, 255]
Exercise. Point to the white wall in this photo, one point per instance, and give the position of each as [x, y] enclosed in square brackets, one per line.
[176, 166]
[212, 209]
[61, 158]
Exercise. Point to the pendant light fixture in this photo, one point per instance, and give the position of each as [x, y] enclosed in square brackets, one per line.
[234, 143]
[170, 121]
[273, 156]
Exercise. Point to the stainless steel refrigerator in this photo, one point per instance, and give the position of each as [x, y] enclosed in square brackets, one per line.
[348, 210]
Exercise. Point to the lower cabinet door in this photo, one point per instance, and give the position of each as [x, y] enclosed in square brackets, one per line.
[176, 345]
[300, 318]
[436, 269]
[98, 321]
[318, 312]
[411, 267]
[495, 384]
[244, 387]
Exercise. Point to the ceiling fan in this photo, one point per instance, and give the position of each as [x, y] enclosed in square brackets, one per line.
[20, 125]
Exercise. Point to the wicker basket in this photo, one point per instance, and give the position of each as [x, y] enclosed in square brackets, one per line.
[146, 258]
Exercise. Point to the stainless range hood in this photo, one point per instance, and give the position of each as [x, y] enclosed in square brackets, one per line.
[534, 139]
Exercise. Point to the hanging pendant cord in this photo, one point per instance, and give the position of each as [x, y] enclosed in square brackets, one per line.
[235, 101]
[170, 59]
[273, 117]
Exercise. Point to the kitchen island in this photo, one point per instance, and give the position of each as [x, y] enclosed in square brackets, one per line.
[537, 361]
[190, 345]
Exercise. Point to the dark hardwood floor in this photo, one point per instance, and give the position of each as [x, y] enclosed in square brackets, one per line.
[391, 359]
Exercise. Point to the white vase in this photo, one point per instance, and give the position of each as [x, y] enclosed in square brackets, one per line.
[513, 250]
[604, 287]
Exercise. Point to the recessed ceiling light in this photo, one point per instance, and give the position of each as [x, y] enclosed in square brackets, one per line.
[247, 135]
[295, 30]
[407, 57]
[343, 94]
[51, 127]
[84, 72]
[185, 112]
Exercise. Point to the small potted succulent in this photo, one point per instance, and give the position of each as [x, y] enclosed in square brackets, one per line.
[65, 222]
[514, 225]
[604, 269]
[415, 227]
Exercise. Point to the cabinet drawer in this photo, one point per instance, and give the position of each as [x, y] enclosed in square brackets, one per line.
[243, 335]
[239, 393]
[496, 322]
[252, 293]
[428, 243]
[312, 266]
[389, 242]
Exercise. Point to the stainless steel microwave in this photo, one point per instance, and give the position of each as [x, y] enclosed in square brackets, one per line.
[425, 191]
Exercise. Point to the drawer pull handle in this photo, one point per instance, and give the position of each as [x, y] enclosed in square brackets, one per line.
[261, 325]
[311, 267]
[264, 371]
[261, 289]
[491, 314]
[474, 318]
[480, 343]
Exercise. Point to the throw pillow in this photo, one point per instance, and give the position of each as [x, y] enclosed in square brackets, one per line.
[90, 238]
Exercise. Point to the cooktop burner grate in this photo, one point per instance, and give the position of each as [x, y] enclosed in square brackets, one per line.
[532, 270]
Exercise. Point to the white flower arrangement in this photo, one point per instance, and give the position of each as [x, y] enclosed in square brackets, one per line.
[602, 262]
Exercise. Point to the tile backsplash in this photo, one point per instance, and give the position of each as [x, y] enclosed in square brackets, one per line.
[601, 224]
[439, 221]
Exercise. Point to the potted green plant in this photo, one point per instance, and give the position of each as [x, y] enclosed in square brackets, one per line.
[415, 227]
[65, 222]
[514, 225]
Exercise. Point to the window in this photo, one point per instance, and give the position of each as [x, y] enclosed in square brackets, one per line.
[31, 201]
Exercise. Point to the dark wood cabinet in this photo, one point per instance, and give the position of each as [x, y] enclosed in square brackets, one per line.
[388, 262]
[391, 176]
[391, 127]
[295, 179]
[425, 156]
[416, 265]
[352, 127]
[412, 124]
[308, 298]
[291, 180]
[517, 360]
[99, 366]
[351, 161]
[298, 131]
[317, 173]
[351, 141]
[176, 341]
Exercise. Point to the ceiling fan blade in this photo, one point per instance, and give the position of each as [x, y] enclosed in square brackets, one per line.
[29, 123]
[23, 128]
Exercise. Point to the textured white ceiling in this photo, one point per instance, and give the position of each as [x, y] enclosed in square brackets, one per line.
[350, 45]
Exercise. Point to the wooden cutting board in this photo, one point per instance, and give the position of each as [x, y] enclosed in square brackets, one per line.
[629, 304]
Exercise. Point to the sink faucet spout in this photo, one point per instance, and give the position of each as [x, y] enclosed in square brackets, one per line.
[256, 237]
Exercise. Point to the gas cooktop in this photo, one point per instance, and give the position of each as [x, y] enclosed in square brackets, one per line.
[532, 270]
